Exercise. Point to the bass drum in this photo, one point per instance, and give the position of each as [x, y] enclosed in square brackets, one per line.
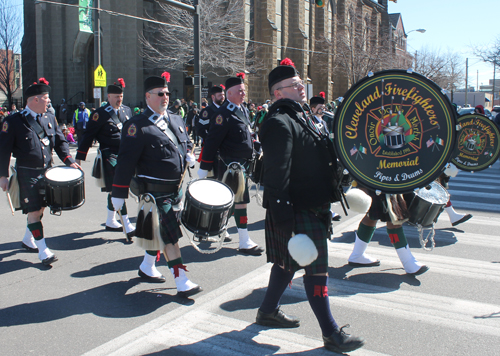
[426, 204]
[478, 145]
[395, 131]
[207, 207]
[65, 188]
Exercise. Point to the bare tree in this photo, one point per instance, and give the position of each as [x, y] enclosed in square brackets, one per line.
[444, 69]
[489, 54]
[10, 36]
[221, 49]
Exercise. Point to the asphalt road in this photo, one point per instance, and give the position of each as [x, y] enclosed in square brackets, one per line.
[93, 302]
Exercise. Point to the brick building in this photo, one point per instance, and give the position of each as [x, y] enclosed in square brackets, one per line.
[56, 47]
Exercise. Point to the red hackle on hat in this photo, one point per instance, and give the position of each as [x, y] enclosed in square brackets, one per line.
[166, 75]
[223, 87]
[322, 94]
[122, 82]
[287, 62]
[43, 81]
[240, 75]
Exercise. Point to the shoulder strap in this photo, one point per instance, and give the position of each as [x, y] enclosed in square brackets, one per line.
[236, 111]
[34, 125]
[111, 112]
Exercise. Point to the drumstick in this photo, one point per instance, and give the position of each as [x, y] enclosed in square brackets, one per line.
[10, 203]
[123, 224]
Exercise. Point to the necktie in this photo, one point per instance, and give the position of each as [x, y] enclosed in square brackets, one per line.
[38, 117]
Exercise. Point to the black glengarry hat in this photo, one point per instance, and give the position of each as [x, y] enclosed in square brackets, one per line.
[42, 87]
[116, 88]
[217, 89]
[157, 82]
[285, 70]
[233, 81]
[317, 100]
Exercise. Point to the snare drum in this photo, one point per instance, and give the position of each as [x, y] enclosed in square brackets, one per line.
[206, 207]
[65, 188]
[426, 205]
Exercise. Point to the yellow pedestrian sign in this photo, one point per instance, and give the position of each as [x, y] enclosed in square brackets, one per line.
[100, 77]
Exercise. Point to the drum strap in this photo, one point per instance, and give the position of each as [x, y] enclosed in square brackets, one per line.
[35, 126]
[162, 124]
[109, 109]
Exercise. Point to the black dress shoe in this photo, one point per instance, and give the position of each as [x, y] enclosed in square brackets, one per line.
[336, 217]
[29, 249]
[278, 319]
[49, 260]
[228, 239]
[190, 292]
[462, 220]
[109, 228]
[422, 270]
[341, 342]
[130, 235]
[254, 251]
[150, 279]
[371, 264]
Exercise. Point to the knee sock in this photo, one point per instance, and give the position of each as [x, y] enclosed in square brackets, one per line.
[177, 261]
[317, 294]
[398, 238]
[278, 280]
[240, 216]
[36, 230]
[365, 233]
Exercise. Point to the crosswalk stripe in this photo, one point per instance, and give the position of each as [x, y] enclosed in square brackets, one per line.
[468, 185]
[475, 205]
[469, 193]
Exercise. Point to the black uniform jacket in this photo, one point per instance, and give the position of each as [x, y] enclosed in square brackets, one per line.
[146, 151]
[204, 119]
[298, 164]
[229, 134]
[102, 127]
[17, 137]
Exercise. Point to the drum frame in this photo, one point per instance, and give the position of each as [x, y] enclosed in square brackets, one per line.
[56, 191]
[200, 220]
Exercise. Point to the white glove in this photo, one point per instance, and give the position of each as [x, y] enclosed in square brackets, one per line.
[117, 203]
[451, 170]
[190, 159]
[202, 173]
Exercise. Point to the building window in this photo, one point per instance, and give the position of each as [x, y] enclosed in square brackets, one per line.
[279, 33]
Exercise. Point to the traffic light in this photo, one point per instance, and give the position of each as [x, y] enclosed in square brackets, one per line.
[320, 3]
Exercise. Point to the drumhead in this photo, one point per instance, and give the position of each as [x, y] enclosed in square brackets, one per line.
[210, 192]
[478, 145]
[63, 174]
[435, 195]
[395, 131]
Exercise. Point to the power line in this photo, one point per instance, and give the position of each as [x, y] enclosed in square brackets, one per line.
[115, 13]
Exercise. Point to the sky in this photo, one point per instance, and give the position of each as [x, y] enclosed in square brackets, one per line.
[452, 25]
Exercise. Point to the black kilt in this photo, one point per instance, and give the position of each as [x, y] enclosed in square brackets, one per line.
[378, 209]
[315, 223]
[109, 160]
[31, 189]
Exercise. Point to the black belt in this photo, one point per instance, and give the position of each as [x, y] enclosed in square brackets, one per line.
[160, 188]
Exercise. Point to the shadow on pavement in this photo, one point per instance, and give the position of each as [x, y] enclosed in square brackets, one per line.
[113, 300]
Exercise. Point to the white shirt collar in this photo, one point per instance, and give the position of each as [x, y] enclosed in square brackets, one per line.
[31, 112]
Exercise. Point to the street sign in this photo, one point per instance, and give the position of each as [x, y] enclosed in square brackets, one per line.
[97, 93]
[100, 77]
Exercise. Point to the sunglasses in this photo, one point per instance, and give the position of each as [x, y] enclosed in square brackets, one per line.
[161, 93]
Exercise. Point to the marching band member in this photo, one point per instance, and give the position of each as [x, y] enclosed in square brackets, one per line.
[295, 154]
[207, 113]
[105, 126]
[156, 147]
[366, 229]
[30, 136]
[230, 134]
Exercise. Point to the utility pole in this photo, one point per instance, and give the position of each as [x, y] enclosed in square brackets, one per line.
[97, 46]
[466, 79]
[195, 10]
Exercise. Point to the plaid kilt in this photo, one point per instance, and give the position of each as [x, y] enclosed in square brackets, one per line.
[315, 223]
[170, 230]
[109, 160]
[222, 167]
[31, 189]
